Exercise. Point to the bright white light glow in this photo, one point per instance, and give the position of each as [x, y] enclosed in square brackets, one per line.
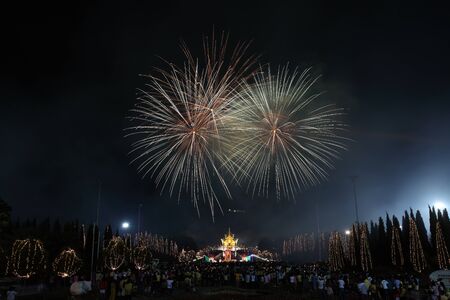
[347, 232]
[125, 225]
[439, 205]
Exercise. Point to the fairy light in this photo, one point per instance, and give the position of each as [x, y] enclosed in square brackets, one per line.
[142, 257]
[305, 242]
[441, 248]
[285, 249]
[67, 263]
[27, 258]
[335, 252]
[416, 254]
[157, 243]
[311, 242]
[396, 248]
[366, 258]
[115, 253]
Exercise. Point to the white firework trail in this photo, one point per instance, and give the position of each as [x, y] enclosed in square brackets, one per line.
[279, 136]
[179, 117]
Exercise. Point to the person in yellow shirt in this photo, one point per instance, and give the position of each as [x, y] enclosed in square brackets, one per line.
[113, 293]
[237, 278]
[128, 289]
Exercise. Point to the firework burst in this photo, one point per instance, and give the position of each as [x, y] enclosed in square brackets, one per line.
[179, 118]
[279, 136]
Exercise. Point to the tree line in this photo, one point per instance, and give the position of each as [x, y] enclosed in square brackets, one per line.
[390, 242]
[88, 241]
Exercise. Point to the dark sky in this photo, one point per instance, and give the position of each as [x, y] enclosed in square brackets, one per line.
[69, 74]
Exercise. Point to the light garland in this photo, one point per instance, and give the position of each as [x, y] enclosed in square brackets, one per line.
[142, 257]
[285, 249]
[416, 254]
[67, 263]
[396, 247]
[441, 248]
[115, 253]
[27, 258]
[366, 258]
[157, 244]
[305, 242]
[335, 252]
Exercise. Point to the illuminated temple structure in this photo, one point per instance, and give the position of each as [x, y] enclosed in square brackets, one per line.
[230, 251]
[229, 247]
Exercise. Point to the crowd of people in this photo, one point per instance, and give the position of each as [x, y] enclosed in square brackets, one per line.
[310, 280]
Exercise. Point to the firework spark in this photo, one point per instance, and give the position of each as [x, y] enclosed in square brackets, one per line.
[279, 136]
[179, 119]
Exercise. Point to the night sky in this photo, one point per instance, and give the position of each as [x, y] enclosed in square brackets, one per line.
[69, 75]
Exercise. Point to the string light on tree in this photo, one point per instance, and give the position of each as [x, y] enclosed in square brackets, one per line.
[305, 242]
[366, 258]
[396, 248]
[67, 263]
[115, 253]
[335, 252]
[27, 258]
[142, 257]
[416, 254]
[441, 248]
[157, 244]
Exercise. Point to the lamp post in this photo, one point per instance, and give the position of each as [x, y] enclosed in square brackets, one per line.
[353, 179]
[93, 234]
[139, 218]
[318, 232]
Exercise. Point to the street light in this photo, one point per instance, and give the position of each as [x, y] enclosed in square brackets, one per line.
[353, 179]
[440, 205]
[347, 232]
[125, 225]
[139, 218]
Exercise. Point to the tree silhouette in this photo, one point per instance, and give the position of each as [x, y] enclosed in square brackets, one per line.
[433, 220]
[428, 250]
[405, 235]
[445, 222]
[5, 216]
[381, 249]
